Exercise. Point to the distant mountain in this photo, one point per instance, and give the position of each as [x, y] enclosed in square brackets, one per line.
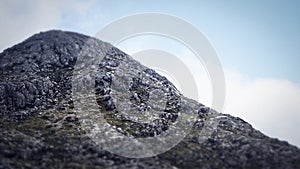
[40, 128]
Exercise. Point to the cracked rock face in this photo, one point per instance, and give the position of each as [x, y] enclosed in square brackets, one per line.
[39, 127]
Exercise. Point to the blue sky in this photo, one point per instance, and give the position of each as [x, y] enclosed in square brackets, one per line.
[259, 38]
[258, 44]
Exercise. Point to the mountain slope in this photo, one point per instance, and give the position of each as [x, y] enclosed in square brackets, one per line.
[40, 128]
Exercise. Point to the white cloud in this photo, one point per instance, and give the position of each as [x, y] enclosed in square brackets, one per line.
[21, 19]
[270, 105]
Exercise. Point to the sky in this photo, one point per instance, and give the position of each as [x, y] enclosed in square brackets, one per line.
[257, 42]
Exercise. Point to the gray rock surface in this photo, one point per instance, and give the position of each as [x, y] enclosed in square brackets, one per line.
[39, 128]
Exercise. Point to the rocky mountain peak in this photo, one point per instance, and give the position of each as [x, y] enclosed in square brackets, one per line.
[42, 125]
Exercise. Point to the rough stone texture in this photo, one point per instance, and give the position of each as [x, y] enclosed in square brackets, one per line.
[39, 128]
